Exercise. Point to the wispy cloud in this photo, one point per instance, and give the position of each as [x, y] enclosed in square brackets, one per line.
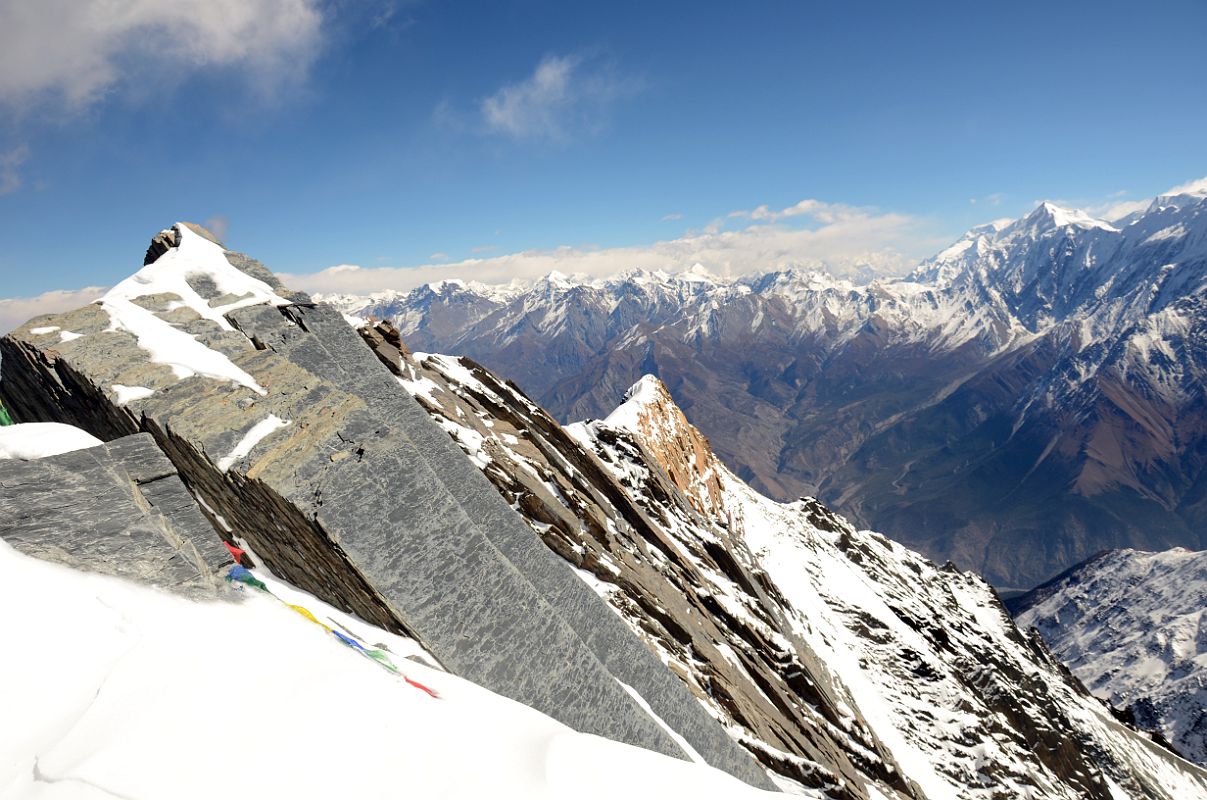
[17, 311]
[672, 217]
[1190, 187]
[10, 168]
[217, 225]
[817, 210]
[994, 199]
[1113, 208]
[564, 96]
[71, 53]
[841, 239]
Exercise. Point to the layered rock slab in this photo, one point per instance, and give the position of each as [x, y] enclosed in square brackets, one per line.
[343, 485]
[116, 509]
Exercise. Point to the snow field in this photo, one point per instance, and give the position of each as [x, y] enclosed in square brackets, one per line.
[30, 440]
[116, 690]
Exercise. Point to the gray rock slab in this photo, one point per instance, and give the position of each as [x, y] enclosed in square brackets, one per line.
[117, 509]
[334, 351]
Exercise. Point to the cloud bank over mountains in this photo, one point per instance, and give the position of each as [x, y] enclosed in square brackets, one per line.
[843, 240]
[15, 311]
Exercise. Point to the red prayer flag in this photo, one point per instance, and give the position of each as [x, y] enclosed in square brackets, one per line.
[236, 552]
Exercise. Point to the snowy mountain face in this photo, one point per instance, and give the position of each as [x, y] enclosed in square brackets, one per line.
[1132, 626]
[846, 664]
[1026, 398]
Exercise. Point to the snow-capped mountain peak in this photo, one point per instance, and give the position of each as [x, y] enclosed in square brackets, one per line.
[651, 415]
[698, 272]
[1048, 215]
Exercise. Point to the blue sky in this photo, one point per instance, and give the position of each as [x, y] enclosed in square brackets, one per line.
[400, 134]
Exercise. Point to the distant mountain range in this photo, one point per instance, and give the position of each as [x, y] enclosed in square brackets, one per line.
[1133, 627]
[1026, 398]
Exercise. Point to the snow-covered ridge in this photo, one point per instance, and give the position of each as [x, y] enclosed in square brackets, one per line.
[980, 289]
[194, 258]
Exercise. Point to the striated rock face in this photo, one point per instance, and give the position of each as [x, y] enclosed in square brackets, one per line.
[299, 445]
[1133, 627]
[845, 663]
[118, 509]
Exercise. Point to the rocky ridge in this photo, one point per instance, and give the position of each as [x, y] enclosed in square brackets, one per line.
[301, 449]
[841, 660]
[117, 508]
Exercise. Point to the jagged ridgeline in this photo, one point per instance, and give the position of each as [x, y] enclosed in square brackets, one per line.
[611, 574]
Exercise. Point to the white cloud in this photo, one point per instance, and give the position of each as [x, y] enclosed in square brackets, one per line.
[1117, 210]
[1114, 209]
[1190, 187]
[17, 311]
[10, 166]
[994, 199]
[672, 217]
[844, 240]
[563, 96]
[75, 51]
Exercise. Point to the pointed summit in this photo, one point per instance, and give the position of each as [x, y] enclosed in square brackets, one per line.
[650, 414]
[698, 272]
[1048, 216]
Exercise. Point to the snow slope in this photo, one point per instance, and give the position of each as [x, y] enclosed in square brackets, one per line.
[112, 689]
[1133, 627]
[928, 656]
